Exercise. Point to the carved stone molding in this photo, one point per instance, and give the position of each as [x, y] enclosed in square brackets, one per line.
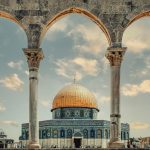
[34, 56]
[115, 55]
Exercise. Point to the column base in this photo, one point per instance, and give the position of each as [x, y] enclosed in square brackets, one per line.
[34, 146]
[117, 144]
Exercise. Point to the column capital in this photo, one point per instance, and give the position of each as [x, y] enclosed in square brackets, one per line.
[115, 55]
[34, 56]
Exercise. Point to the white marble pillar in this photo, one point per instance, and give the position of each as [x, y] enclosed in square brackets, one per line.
[34, 57]
[115, 56]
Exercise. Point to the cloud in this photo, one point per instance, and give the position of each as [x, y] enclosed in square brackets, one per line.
[135, 37]
[139, 125]
[88, 65]
[147, 62]
[130, 90]
[101, 99]
[26, 72]
[144, 70]
[9, 122]
[67, 69]
[16, 65]
[19, 31]
[145, 86]
[137, 45]
[12, 82]
[134, 89]
[105, 98]
[59, 26]
[2, 107]
[93, 40]
[105, 64]
[62, 66]
[45, 103]
[80, 66]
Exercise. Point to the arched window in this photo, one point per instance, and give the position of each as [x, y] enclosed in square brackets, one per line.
[99, 133]
[62, 133]
[40, 132]
[85, 133]
[121, 135]
[44, 134]
[69, 133]
[81, 113]
[124, 135]
[55, 133]
[92, 133]
[106, 133]
[63, 113]
[27, 135]
[23, 134]
[48, 133]
[72, 113]
[127, 135]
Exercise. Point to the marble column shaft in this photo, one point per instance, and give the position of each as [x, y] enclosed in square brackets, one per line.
[34, 57]
[115, 56]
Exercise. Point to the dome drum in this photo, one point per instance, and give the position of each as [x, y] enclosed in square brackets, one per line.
[75, 113]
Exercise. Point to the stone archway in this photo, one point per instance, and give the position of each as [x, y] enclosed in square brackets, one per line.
[134, 17]
[77, 139]
[11, 17]
[137, 13]
[79, 11]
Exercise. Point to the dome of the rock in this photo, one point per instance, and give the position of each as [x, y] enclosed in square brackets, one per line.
[74, 95]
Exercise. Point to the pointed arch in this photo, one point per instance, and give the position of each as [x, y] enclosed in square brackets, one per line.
[106, 134]
[62, 133]
[12, 18]
[136, 14]
[80, 11]
[85, 133]
[99, 133]
[92, 133]
[69, 133]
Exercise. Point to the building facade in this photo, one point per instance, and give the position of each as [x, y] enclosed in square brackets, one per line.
[74, 123]
[145, 142]
[4, 141]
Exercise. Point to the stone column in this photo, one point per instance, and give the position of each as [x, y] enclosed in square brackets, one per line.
[115, 56]
[34, 57]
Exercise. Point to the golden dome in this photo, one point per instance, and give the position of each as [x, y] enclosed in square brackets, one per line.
[74, 95]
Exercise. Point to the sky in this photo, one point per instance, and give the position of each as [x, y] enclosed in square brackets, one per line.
[70, 45]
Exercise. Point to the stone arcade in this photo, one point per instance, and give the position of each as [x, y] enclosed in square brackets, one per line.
[74, 123]
[112, 16]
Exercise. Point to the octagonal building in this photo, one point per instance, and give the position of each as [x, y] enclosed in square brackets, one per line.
[74, 122]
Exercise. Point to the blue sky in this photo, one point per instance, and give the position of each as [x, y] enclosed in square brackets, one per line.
[72, 44]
